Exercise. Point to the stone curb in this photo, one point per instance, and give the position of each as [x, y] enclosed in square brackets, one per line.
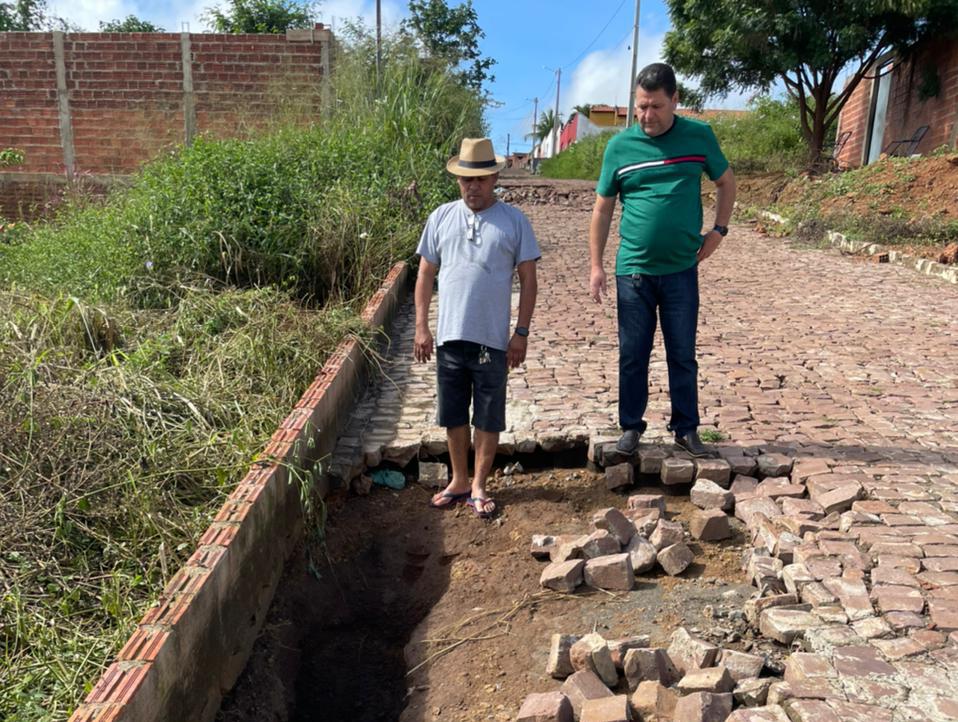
[841, 241]
[191, 646]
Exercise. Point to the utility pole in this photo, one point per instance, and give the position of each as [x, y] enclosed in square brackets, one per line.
[635, 52]
[508, 141]
[555, 121]
[535, 117]
[379, 45]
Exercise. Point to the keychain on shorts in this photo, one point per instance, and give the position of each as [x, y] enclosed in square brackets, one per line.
[484, 355]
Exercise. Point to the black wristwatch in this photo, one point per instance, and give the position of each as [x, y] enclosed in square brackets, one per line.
[723, 230]
[522, 331]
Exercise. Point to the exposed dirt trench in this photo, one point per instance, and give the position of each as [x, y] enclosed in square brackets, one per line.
[404, 582]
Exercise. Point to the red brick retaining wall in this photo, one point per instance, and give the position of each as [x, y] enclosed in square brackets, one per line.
[189, 649]
[98, 105]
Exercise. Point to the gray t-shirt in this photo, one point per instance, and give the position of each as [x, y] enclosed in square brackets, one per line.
[477, 254]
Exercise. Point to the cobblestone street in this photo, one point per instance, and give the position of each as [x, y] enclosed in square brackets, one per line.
[848, 367]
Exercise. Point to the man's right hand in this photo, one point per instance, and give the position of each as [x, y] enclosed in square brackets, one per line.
[422, 346]
[597, 284]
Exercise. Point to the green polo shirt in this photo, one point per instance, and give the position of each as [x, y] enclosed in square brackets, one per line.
[659, 181]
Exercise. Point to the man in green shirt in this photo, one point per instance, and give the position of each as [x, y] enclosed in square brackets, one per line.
[655, 167]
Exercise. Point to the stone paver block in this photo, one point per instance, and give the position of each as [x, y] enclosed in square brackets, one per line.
[742, 465]
[651, 457]
[620, 647]
[710, 679]
[755, 607]
[768, 713]
[563, 576]
[839, 499]
[805, 507]
[797, 577]
[643, 665]
[613, 572]
[567, 547]
[653, 701]
[746, 509]
[709, 525]
[675, 559]
[689, 653]
[614, 522]
[704, 707]
[717, 470]
[853, 597]
[706, 494]
[560, 664]
[619, 476]
[677, 471]
[607, 709]
[642, 554]
[779, 487]
[785, 625]
[600, 543]
[871, 628]
[647, 501]
[741, 665]
[774, 465]
[592, 654]
[824, 640]
[645, 520]
[666, 533]
[752, 692]
[581, 686]
[545, 707]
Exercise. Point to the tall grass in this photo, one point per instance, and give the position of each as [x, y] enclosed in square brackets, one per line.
[150, 344]
[582, 160]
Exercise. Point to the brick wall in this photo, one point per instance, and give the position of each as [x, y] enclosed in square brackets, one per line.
[906, 109]
[121, 98]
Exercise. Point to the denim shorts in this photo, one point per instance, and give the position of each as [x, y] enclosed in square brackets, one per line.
[466, 371]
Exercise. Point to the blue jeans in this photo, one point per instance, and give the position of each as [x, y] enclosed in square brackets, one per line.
[676, 296]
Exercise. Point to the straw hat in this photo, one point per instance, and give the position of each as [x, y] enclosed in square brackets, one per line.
[475, 158]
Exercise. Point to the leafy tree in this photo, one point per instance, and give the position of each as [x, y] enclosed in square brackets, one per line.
[130, 24]
[23, 15]
[260, 16]
[690, 98]
[583, 109]
[451, 36]
[805, 44]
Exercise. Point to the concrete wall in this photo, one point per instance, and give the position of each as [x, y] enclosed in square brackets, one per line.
[95, 106]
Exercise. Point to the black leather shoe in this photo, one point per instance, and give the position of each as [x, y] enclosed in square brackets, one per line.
[628, 442]
[691, 443]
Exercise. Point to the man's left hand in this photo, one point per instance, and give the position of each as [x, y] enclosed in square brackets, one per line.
[516, 353]
[709, 245]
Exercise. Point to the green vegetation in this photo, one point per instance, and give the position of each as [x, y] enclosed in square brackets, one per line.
[812, 205]
[130, 24]
[151, 343]
[766, 139]
[805, 46]
[260, 16]
[581, 160]
[711, 436]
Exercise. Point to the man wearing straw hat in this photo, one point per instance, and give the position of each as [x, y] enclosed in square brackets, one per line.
[475, 245]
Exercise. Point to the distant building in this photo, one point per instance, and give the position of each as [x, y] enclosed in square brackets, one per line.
[902, 107]
[517, 160]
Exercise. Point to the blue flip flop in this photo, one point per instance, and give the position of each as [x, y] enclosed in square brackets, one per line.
[472, 502]
[451, 499]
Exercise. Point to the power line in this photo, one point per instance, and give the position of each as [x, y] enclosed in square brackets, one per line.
[596, 38]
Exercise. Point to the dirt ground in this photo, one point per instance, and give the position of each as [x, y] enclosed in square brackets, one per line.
[456, 601]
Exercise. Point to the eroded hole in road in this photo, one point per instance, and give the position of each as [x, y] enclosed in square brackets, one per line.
[422, 614]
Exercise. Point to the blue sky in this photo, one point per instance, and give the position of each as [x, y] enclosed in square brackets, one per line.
[589, 41]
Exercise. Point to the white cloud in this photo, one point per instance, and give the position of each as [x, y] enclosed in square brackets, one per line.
[603, 76]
